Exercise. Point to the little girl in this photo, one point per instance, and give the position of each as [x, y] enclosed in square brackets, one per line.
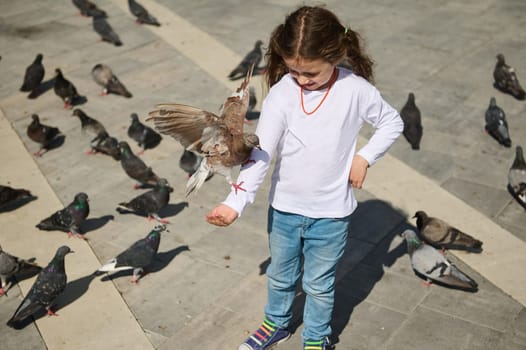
[310, 122]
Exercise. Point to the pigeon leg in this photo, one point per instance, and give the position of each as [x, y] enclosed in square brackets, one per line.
[158, 218]
[427, 283]
[81, 236]
[67, 105]
[50, 312]
[91, 151]
[141, 152]
[70, 234]
[38, 153]
[137, 186]
[246, 121]
[238, 186]
[3, 292]
[104, 92]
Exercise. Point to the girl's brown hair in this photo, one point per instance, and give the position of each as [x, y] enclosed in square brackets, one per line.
[311, 33]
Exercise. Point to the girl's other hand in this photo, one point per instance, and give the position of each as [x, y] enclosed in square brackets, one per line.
[221, 215]
[358, 171]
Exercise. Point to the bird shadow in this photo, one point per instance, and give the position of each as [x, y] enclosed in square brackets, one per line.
[515, 196]
[44, 87]
[79, 100]
[26, 272]
[373, 226]
[93, 224]
[517, 93]
[162, 259]
[17, 204]
[172, 209]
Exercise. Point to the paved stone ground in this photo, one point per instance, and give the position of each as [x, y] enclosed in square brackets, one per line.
[207, 289]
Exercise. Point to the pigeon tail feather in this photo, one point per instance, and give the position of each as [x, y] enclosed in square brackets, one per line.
[198, 178]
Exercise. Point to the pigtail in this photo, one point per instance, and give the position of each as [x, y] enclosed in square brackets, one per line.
[359, 61]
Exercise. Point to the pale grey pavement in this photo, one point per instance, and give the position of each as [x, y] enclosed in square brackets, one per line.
[207, 287]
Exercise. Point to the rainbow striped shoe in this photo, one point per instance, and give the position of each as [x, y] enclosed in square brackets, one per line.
[323, 344]
[265, 337]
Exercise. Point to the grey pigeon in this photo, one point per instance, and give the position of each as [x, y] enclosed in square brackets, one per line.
[138, 256]
[145, 136]
[430, 264]
[88, 124]
[440, 234]
[68, 219]
[103, 76]
[249, 62]
[413, 129]
[220, 139]
[49, 284]
[517, 177]
[135, 168]
[65, 89]
[9, 195]
[506, 79]
[143, 16]
[88, 8]
[42, 134]
[150, 202]
[11, 265]
[496, 124]
[34, 75]
[106, 144]
[106, 32]
[189, 162]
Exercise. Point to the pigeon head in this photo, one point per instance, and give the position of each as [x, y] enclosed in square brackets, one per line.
[420, 216]
[492, 102]
[39, 57]
[134, 117]
[124, 147]
[411, 239]
[411, 98]
[35, 118]
[81, 197]
[162, 183]
[77, 112]
[258, 43]
[500, 59]
[58, 72]
[251, 140]
[63, 251]
[158, 228]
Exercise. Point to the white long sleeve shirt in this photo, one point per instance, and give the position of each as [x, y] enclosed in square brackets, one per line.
[314, 152]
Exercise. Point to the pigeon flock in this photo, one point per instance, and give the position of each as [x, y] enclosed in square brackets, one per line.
[213, 144]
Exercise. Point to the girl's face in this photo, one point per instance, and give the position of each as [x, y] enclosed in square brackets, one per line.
[310, 74]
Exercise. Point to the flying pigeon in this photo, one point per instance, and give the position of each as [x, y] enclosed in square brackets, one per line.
[433, 266]
[9, 195]
[220, 140]
[506, 79]
[34, 75]
[49, 284]
[65, 89]
[88, 8]
[103, 76]
[249, 62]
[138, 256]
[412, 122]
[496, 124]
[440, 234]
[150, 202]
[106, 144]
[88, 124]
[145, 136]
[517, 177]
[143, 17]
[135, 167]
[11, 265]
[42, 134]
[68, 219]
[106, 32]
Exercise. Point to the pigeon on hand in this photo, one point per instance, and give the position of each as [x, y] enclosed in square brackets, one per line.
[496, 124]
[517, 177]
[65, 89]
[150, 202]
[145, 136]
[103, 76]
[11, 265]
[506, 79]
[135, 167]
[138, 256]
[143, 16]
[412, 122]
[249, 62]
[220, 140]
[9, 195]
[106, 144]
[440, 234]
[106, 32]
[49, 284]
[68, 219]
[34, 75]
[42, 134]
[433, 266]
[88, 9]
[88, 124]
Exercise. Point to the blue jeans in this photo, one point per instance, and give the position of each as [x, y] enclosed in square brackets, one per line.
[321, 242]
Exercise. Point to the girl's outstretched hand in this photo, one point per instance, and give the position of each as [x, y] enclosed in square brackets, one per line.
[358, 171]
[221, 215]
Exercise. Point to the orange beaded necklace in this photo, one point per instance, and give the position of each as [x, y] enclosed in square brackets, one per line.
[331, 82]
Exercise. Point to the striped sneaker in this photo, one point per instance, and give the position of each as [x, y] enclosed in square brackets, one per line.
[266, 337]
[323, 344]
